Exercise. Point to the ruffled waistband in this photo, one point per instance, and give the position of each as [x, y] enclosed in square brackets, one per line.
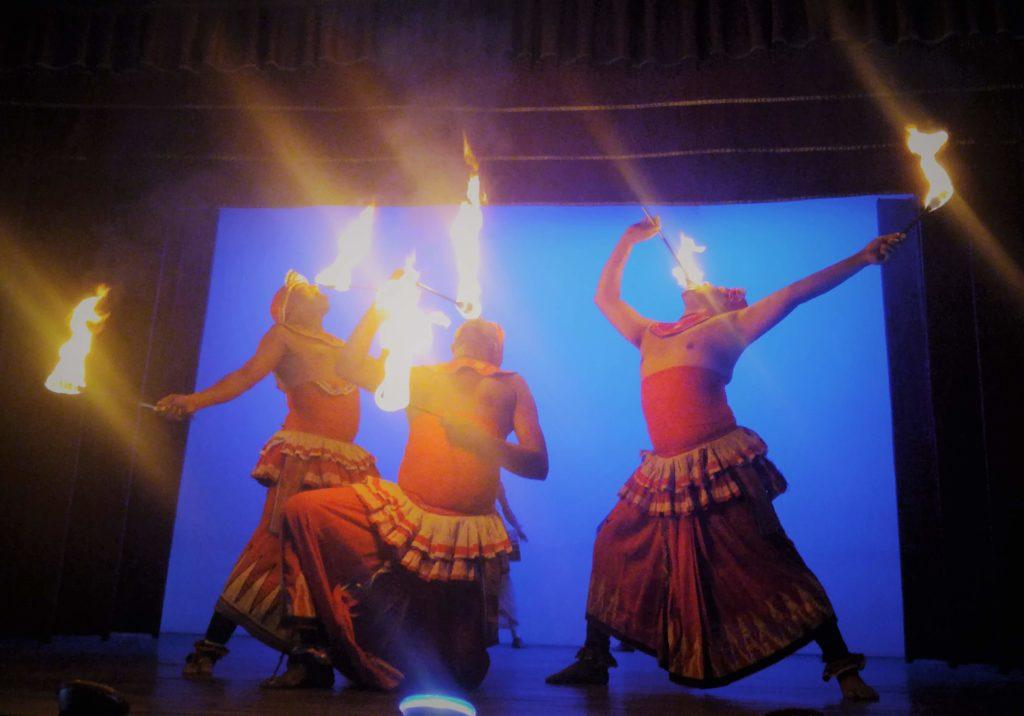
[435, 547]
[326, 462]
[702, 476]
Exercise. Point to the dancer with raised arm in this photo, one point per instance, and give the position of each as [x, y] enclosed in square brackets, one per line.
[360, 559]
[692, 565]
[313, 449]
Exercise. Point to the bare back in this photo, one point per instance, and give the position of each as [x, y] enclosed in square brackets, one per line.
[489, 401]
[443, 475]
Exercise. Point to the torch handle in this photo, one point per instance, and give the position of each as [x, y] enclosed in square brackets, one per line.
[664, 238]
[437, 293]
[916, 220]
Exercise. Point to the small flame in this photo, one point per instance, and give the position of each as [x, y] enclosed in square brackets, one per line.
[468, 156]
[926, 145]
[405, 334]
[465, 235]
[293, 278]
[689, 275]
[354, 244]
[68, 376]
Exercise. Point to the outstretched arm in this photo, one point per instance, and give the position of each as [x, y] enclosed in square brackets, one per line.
[354, 363]
[608, 297]
[754, 321]
[268, 354]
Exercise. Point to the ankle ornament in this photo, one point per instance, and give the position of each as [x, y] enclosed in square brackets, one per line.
[837, 668]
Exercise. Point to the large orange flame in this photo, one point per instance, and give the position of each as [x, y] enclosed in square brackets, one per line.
[406, 332]
[926, 145]
[465, 236]
[68, 376]
[354, 244]
[688, 274]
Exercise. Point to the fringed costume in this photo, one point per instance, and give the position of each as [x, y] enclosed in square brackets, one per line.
[313, 450]
[388, 568]
[692, 564]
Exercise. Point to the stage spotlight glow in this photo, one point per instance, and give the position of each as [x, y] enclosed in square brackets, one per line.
[436, 703]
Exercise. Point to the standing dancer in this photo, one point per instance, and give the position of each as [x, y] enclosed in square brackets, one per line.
[507, 612]
[313, 449]
[359, 559]
[692, 564]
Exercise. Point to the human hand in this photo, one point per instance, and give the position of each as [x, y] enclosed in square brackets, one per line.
[642, 230]
[878, 249]
[176, 407]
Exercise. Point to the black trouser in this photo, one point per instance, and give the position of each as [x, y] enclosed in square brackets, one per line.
[827, 635]
[220, 629]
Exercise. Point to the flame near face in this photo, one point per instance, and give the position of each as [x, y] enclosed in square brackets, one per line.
[688, 274]
[926, 145]
[405, 334]
[68, 375]
[354, 244]
[465, 236]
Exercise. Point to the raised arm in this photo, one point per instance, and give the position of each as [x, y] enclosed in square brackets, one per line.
[608, 297]
[754, 321]
[354, 363]
[268, 354]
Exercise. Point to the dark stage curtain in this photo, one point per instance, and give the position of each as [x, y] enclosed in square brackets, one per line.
[125, 126]
[292, 34]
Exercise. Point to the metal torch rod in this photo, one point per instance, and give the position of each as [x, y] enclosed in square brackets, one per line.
[663, 238]
[421, 285]
[437, 293]
[916, 220]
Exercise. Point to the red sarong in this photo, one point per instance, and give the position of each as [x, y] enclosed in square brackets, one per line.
[702, 575]
[388, 579]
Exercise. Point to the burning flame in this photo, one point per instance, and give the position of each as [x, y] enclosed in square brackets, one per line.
[68, 376]
[354, 243]
[465, 235]
[689, 275]
[926, 145]
[404, 334]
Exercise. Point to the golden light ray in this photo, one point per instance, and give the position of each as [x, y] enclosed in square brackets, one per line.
[68, 376]
[405, 333]
[354, 243]
[899, 112]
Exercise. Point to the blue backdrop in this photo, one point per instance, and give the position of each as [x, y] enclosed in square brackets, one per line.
[816, 387]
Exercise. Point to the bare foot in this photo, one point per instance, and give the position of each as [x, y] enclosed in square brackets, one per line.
[854, 688]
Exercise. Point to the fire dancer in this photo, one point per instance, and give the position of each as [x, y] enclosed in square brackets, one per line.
[692, 564]
[313, 449]
[359, 557]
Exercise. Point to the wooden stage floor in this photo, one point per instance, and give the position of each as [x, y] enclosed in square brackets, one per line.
[147, 671]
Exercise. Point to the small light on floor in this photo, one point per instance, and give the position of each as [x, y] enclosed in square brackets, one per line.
[435, 703]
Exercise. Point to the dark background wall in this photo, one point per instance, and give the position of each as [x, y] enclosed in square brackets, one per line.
[125, 126]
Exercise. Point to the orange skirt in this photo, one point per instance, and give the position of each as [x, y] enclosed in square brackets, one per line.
[253, 597]
[389, 602]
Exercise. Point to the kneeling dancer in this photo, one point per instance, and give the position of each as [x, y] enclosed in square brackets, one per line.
[436, 529]
[692, 564]
[313, 449]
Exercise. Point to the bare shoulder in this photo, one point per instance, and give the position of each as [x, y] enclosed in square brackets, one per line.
[277, 336]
